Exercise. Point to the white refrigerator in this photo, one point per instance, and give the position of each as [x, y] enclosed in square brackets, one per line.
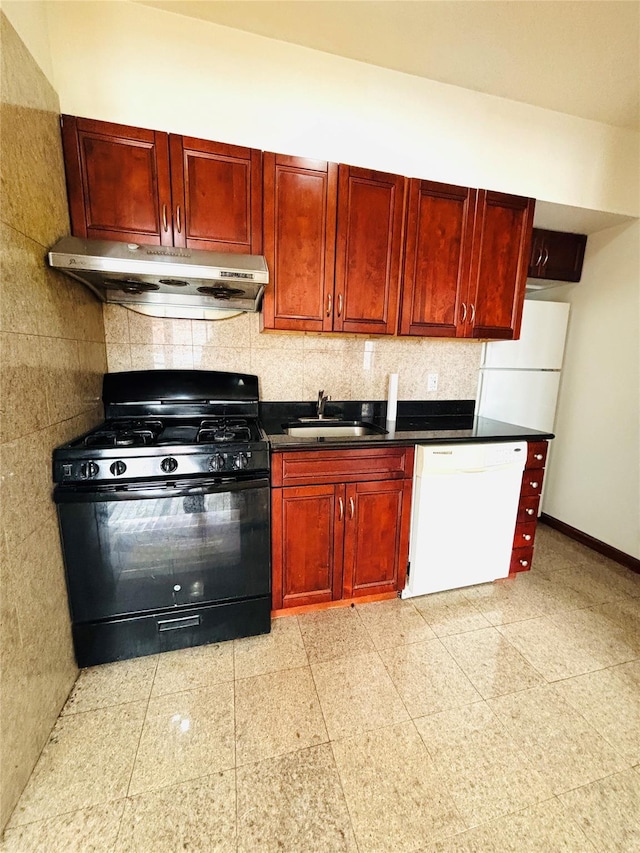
[519, 380]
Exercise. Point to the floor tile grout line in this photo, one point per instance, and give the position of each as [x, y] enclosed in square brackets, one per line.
[235, 748]
[333, 755]
[144, 720]
[61, 814]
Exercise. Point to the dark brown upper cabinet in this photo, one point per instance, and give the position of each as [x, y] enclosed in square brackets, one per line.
[333, 243]
[131, 184]
[299, 242]
[465, 262]
[557, 255]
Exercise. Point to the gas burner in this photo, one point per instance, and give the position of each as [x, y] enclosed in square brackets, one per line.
[125, 434]
[223, 430]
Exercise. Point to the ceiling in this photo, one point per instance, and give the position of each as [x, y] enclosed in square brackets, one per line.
[579, 57]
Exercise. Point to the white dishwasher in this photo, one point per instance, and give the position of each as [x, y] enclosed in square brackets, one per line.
[463, 518]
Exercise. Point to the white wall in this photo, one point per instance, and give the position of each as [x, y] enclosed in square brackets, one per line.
[127, 63]
[29, 20]
[593, 481]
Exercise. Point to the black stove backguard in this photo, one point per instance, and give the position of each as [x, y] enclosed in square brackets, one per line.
[145, 393]
[178, 554]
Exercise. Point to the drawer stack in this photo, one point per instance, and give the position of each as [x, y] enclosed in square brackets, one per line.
[528, 507]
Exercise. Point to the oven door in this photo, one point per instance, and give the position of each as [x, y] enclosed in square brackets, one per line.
[149, 547]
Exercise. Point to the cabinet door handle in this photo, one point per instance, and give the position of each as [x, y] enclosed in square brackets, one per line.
[329, 304]
[539, 258]
[530, 511]
[352, 508]
[538, 456]
[473, 313]
[165, 223]
[339, 305]
[546, 257]
[464, 312]
[341, 505]
[178, 225]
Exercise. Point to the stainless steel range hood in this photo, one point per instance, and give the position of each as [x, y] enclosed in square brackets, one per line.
[164, 281]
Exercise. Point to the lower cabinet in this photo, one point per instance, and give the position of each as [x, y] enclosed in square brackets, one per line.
[527, 518]
[340, 539]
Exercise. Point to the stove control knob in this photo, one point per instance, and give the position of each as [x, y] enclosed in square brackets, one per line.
[240, 461]
[216, 463]
[169, 465]
[118, 468]
[88, 470]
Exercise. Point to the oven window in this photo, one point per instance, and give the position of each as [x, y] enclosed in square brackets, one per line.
[125, 556]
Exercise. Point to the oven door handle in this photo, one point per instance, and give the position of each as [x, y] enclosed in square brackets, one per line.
[72, 494]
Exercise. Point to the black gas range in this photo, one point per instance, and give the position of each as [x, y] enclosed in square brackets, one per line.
[164, 515]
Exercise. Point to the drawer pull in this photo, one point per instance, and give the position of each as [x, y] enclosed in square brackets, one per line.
[526, 537]
[176, 624]
[530, 511]
[534, 484]
[538, 456]
[524, 563]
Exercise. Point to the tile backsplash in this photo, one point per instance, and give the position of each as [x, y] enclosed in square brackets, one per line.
[293, 366]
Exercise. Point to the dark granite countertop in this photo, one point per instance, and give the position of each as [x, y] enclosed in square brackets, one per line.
[418, 422]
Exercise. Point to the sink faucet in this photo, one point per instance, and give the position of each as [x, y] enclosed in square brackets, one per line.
[322, 401]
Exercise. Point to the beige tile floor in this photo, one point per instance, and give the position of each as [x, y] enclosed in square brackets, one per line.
[504, 717]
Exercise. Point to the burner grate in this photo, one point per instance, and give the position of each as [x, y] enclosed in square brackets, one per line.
[219, 431]
[125, 434]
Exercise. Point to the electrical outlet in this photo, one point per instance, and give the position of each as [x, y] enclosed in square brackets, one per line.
[432, 382]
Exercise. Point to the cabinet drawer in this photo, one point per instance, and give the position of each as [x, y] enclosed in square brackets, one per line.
[521, 560]
[524, 535]
[528, 509]
[536, 454]
[341, 466]
[531, 482]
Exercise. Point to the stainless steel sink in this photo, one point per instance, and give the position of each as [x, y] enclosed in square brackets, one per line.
[331, 429]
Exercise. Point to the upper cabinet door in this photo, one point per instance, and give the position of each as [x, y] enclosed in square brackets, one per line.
[437, 259]
[368, 251]
[299, 242]
[557, 255]
[500, 258]
[217, 196]
[117, 181]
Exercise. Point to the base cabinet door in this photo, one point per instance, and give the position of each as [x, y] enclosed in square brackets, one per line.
[376, 537]
[307, 545]
[340, 524]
